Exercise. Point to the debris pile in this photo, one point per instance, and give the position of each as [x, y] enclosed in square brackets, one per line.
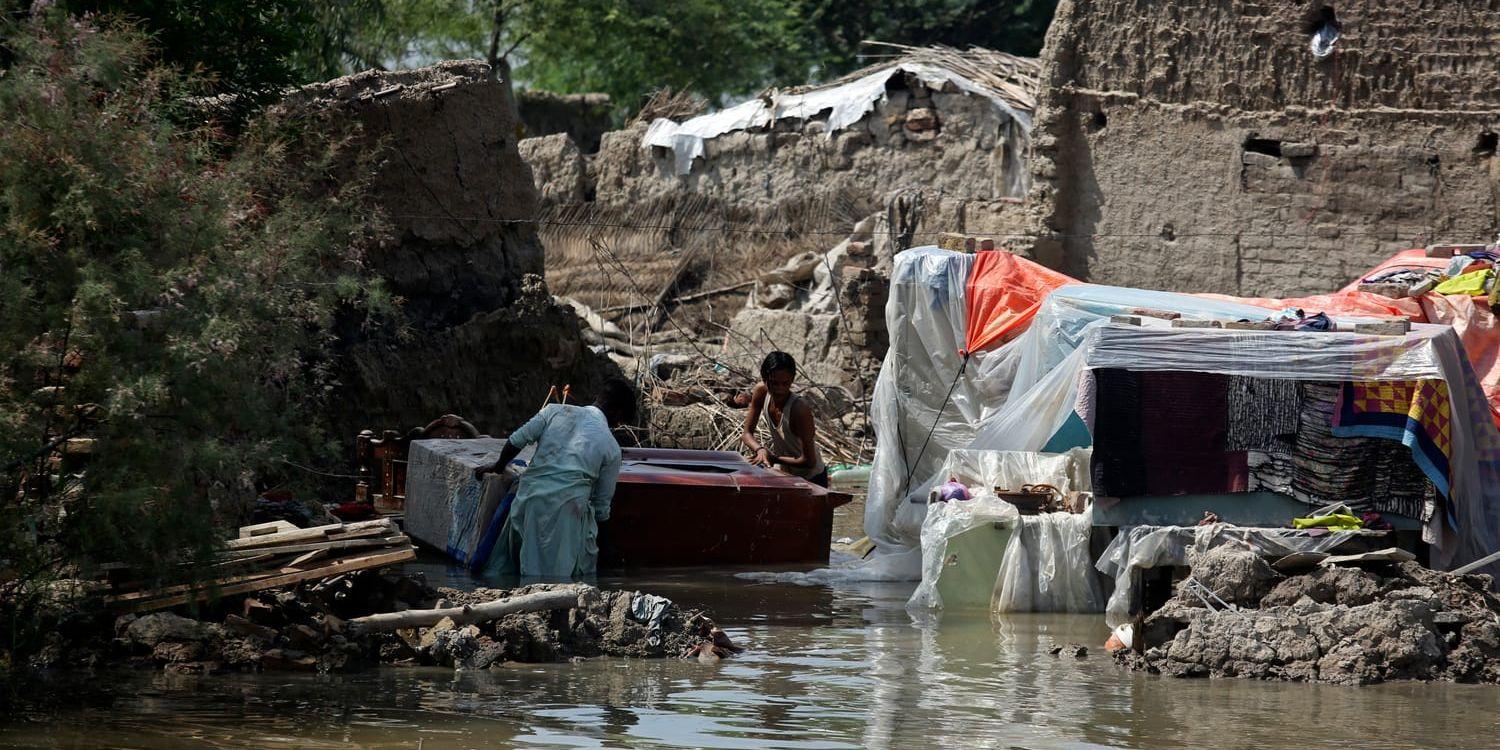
[275, 554]
[1341, 625]
[325, 599]
[362, 619]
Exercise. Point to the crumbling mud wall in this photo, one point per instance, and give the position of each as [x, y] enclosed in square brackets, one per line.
[949, 145]
[1201, 145]
[485, 340]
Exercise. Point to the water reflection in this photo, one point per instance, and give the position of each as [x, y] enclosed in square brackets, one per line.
[826, 669]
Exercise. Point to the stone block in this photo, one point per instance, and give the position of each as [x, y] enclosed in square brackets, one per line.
[1185, 323]
[921, 118]
[1384, 328]
[1298, 150]
[1254, 159]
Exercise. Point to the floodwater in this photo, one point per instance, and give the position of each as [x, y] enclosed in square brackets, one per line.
[825, 669]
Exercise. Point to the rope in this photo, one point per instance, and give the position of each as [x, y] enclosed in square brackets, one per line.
[912, 467]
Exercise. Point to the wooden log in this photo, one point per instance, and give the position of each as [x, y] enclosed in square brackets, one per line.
[139, 602]
[565, 598]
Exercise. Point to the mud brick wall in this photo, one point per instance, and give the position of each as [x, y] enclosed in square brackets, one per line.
[949, 145]
[1199, 145]
[485, 338]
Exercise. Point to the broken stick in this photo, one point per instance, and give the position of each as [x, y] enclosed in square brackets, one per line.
[541, 601]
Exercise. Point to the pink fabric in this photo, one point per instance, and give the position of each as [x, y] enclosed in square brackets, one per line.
[1475, 324]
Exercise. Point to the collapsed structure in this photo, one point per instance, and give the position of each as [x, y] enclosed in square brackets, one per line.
[772, 224]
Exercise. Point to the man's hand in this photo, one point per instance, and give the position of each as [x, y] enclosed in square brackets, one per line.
[481, 471]
[762, 458]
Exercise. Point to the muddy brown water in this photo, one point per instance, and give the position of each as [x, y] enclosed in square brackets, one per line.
[825, 669]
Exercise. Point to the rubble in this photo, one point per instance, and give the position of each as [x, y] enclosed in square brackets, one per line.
[1347, 626]
[308, 628]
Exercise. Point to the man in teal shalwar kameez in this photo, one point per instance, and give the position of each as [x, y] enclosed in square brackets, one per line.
[552, 527]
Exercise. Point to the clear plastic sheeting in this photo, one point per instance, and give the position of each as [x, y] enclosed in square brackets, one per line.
[1137, 548]
[1014, 397]
[926, 322]
[945, 521]
[846, 105]
[1270, 354]
[1323, 40]
[1048, 568]
[1018, 396]
[982, 471]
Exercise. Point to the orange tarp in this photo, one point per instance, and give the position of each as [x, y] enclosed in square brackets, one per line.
[1002, 295]
[1353, 303]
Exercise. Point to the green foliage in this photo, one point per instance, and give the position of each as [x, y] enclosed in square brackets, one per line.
[839, 26]
[182, 301]
[715, 48]
[628, 48]
[250, 50]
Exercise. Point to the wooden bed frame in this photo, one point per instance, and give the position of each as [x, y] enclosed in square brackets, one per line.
[381, 461]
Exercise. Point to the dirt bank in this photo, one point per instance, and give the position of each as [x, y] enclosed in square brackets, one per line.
[1341, 625]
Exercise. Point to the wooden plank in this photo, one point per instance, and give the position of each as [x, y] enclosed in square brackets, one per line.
[335, 545]
[261, 529]
[302, 561]
[259, 557]
[342, 566]
[316, 533]
[1390, 554]
[242, 577]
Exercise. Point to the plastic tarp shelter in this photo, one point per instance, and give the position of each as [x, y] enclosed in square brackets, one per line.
[1470, 316]
[1021, 394]
[931, 368]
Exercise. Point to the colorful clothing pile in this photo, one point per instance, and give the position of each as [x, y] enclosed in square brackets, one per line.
[1177, 433]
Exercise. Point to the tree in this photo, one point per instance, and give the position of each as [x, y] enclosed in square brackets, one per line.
[1015, 26]
[714, 48]
[626, 48]
[250, 50]
[171, 307]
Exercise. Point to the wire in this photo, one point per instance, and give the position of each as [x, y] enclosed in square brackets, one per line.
[741, 229]
[912, 468]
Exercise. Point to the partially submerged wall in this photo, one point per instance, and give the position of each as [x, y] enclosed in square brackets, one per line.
[485, 341]
[1200, 145]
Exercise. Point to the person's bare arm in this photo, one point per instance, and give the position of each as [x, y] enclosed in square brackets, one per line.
[525, 435]
[806, 427]
[507, 454]
[759, 455]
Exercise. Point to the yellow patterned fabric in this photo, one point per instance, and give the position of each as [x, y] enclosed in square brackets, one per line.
[1418, 413]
